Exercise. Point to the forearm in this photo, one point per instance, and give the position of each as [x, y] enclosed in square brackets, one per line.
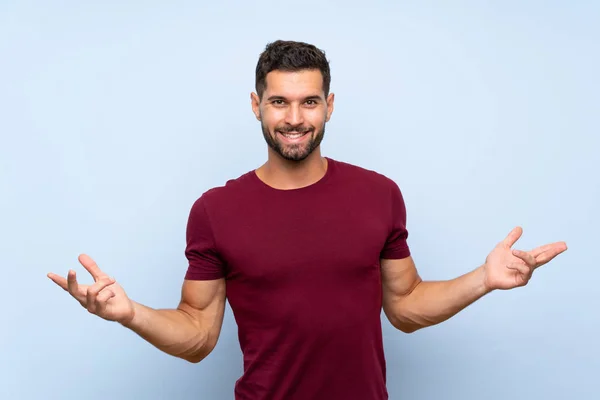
[432, 302]
[172, 331]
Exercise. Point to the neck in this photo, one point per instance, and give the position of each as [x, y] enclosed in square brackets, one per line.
[280, 173]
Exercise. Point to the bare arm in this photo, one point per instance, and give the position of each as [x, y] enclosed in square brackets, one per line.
[411, 304]
[190, 331]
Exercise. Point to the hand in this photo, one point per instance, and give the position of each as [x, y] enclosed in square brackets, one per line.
[105, 298]
[506, 268]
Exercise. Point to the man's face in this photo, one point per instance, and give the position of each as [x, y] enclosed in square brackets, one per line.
[293, 112]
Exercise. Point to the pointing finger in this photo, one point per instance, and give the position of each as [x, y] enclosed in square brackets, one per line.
[539, 250]
[59, 280]
[64, 284]
[562, 246]
[549, 254]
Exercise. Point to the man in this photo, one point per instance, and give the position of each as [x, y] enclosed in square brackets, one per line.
[308, 251]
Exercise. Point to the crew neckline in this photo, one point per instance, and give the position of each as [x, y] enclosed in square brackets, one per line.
[320, 182]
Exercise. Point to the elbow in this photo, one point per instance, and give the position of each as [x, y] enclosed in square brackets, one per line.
[406, 327]
[199, 351]
[196, 357]
[409, 329]
[404, 322]
[193, 359]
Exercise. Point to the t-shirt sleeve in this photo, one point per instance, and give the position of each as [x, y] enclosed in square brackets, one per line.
[396, 245]
[204, 262]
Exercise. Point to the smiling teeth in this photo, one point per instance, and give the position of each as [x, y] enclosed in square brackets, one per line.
[293, 136]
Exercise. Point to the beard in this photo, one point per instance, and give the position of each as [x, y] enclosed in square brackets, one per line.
[294, 152]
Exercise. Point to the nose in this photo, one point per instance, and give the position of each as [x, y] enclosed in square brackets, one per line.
[294, 116]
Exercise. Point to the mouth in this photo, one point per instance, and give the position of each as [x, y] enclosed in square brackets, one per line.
[293, 137]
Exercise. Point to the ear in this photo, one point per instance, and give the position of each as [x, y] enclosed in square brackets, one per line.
[255, 100]
[330, 100]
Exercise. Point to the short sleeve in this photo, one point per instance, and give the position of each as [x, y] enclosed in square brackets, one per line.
[204, 262]
[396, 245]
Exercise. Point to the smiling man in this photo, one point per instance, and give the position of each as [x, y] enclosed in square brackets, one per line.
[294, 133]
[308, 251]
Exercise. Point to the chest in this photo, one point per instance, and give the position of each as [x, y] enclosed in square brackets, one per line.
[279, 244]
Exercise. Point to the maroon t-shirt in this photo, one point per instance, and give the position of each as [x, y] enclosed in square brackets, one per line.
[303, 278]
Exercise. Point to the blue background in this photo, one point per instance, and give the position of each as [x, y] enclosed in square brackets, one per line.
[116, 116]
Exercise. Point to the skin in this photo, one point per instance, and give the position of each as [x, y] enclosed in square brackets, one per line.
[411, 304]
[293, 101]
[296, 101]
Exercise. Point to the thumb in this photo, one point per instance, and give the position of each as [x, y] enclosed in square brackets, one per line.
[512, 237]
[91, 266]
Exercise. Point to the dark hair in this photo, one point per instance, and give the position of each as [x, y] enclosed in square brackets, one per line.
[291, 56]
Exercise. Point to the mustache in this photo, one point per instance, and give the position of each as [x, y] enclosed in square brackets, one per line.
[299, 129]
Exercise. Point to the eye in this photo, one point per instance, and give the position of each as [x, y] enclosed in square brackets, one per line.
[311, 102]
[278, 102]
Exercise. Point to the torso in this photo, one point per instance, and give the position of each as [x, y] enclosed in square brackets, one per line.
[304, 283]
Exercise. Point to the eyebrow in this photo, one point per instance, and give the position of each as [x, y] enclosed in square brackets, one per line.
[313, 97]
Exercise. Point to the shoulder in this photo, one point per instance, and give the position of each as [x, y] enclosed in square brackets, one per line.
[365, 176]
[379, 187]
[223, 195]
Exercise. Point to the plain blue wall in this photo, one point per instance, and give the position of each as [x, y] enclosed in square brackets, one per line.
[116, 116]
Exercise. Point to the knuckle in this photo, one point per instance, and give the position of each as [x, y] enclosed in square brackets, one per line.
[104, 282]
